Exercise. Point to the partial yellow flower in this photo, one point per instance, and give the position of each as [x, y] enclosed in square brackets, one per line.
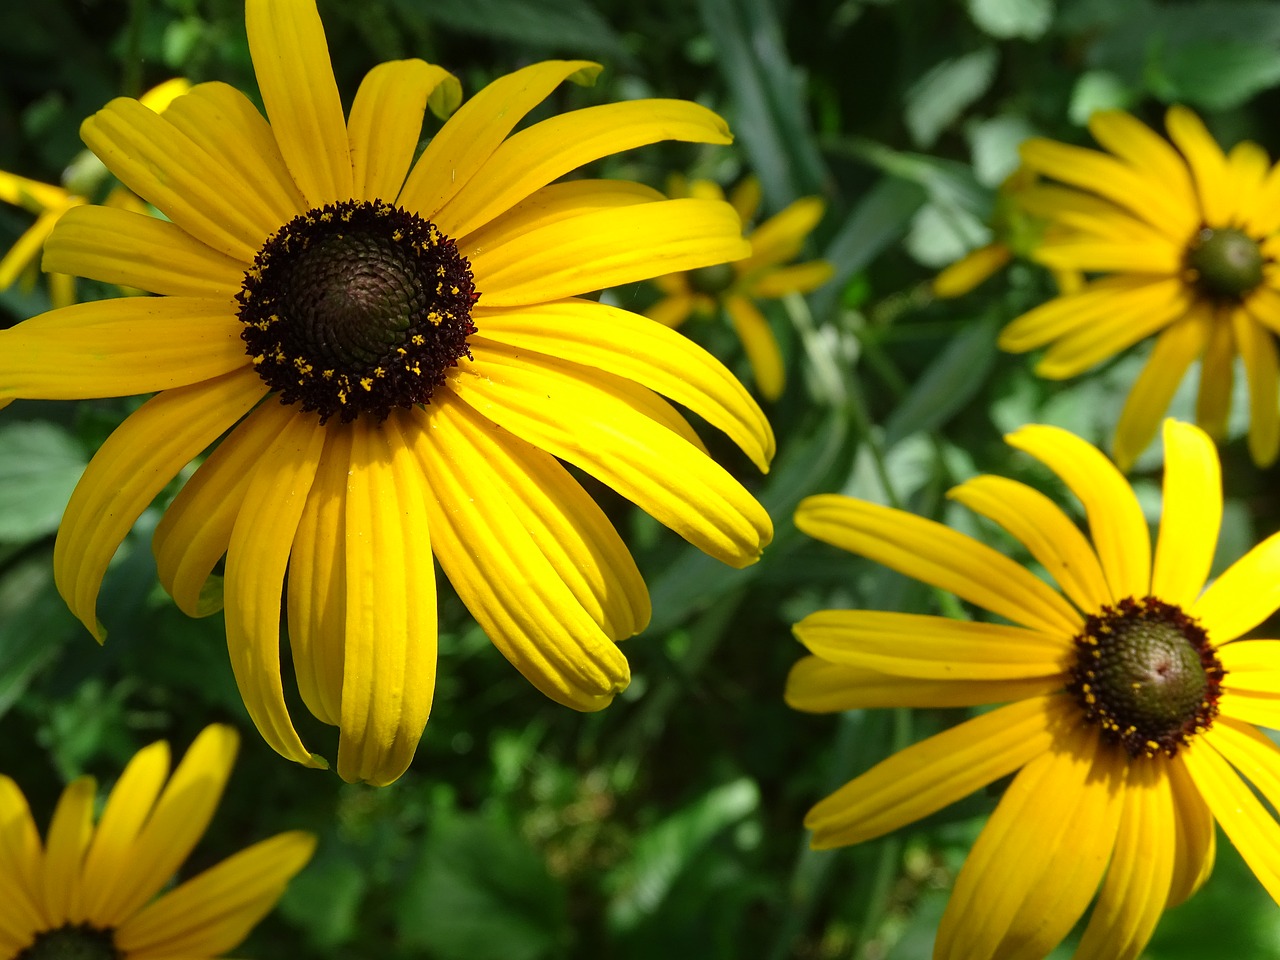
[765, 275]
[1129, 698]
[397, 354]
[90, 892]
[49, 202]
[1186, 240]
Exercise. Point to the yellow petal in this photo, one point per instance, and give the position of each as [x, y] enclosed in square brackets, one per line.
[1116, 523]
[760, 344]
[291, 62]
[20, 865]
[936, 772]
[1191, 515]
[586, 418]
[389, 673]
[31, 195]
[798, 278]
[1217, 378]
[1247, 165]
[131, 467]
[24, 254]
[1262, 217]
[1146, 152]
[1262, 369]
[1040, 526]
[69, 833]
[214, 911]
[939, 556]
[385, 123]
[135, 250]
[745, 197]
[117, 348]
[547, 150]
[590, 334]
[256, 560]
[1175, 349]
[1130, 256]
[472, 134]
[782, 236]
[1251, 690]
[672, 311]
[1195, 837]
[604, 248]
[1087, 214]
[970, 270]
[494, 528]
[1208, 165]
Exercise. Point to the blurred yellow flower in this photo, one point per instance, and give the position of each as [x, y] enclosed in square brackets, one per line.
[1186, 241]
[1130, 702]
[49, 202]
[90, 893]
[766, 274]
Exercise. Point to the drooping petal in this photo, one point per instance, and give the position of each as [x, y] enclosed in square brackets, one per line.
[70, 830]
[136, 250]
[815, 685]
[936, 772]
[581, 416]
[291, 62]
[134, 464]
[389, 671]
[547, 150]
[915, 645]
[1217, 377]
[1191, 515]
[256, 560]
[1038, 524]
[1257, 348]
[119, 348]
[494, 528]
[757, 338]
[1244, 595]
[214, 911]
[385, 123]
[1116, 523]
[1195, 836]
[590, 333]
[939, 556]
[472, 134]
[605, 248]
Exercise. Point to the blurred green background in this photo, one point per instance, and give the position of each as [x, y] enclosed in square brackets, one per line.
[670, 824]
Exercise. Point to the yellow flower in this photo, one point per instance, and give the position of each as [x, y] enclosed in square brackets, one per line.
[318, 300]
[1186, 241]
[88, 893]
[49, 202]
[1129, 698]
[765, 274]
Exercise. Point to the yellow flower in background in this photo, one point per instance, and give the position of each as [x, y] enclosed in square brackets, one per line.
[49, 202]
[1129, 698]
[90, 892]
[398, 357]
[766, 274]
[1186, 241]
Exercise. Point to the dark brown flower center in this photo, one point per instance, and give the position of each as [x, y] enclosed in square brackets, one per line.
[357, 308]
[1225, 263]
[1147, 674]
[72, 942]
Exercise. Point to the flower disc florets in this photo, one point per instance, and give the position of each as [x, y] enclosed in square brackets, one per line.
[1225, 263]
[72, 942]
[357, 308]
[1147, 674]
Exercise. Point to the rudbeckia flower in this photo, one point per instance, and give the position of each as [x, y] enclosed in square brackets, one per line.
[766, 274]
[397, 354]
[1129, 699]
[49, 202]
[90, 892]
[1185, 241]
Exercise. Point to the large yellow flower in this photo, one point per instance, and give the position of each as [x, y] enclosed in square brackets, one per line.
[88, 892]
[1187, 244]
[766, 274]
[1129, 698]
[397, 350]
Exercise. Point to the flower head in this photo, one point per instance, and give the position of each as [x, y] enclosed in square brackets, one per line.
[1129, 698]
[397, 355]
[1185, 241]
[766, 274]
[90, 892]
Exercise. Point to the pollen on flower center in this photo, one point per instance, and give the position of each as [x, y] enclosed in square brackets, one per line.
[72, 942]
[1147, 674]
[357, 308]
[1225, 263]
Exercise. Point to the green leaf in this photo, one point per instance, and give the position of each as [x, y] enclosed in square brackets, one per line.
[34, 625]
[941, 235]
[1099, 90]
[1214, 74]
[325, 899]
[568, 25]
[938, 98]
[1006, 19]
[40, 465]
[994, 145]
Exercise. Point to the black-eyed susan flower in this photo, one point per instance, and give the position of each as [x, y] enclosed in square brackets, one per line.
[89, 892]
[1185, 242]
[734, 287]
[49, 202]
[397, 355]
[1129, 699]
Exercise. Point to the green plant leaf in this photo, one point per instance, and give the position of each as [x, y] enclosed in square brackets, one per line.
[1007, 19]
[40, 464]
[938, 98]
